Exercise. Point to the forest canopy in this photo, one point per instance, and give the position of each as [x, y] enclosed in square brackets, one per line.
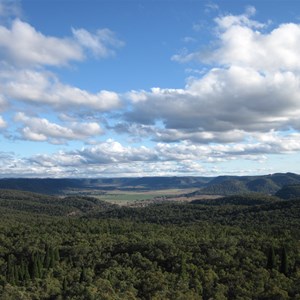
[237, 247]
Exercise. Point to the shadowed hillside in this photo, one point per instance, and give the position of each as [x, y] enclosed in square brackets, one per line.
[232, 185]
[289, 192]
[62, 186]
[221, 185]
[20, 201]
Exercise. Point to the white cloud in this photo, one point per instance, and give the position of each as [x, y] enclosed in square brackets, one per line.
[43, 88]
[267, 52]
[3, 124]
[223, 100]
[175, 135]
[100, 43]
[244, 42]
[211, 6]
[40, 129]
[26, 84]
[114, 152]
[111, 158]
[10, 8]
[23, 45]
[245, 106]
[243, 20]
[159, 134]
[253, 85]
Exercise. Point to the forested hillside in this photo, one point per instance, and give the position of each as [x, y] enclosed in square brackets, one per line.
[66, 186]
[20, 201]
[289, 192]
[233, 185]
[237, 247]
[221, 185]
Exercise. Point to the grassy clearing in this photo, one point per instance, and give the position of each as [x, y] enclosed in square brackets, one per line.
[126, 197]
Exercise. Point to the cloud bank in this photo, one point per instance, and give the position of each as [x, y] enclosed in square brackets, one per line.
[252, 87]
[245, 104]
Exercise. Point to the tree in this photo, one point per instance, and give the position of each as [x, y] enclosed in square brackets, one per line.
[35, 268]
[47, 258]
[271, 258]
[284, 262]
[10, 274]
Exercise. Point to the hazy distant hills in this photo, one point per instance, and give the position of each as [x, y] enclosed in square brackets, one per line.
[221, 185]
[231, 185]
[59, 186]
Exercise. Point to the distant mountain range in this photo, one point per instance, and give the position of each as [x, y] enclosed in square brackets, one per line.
[62, 186]
[221, 185]
[232, 185]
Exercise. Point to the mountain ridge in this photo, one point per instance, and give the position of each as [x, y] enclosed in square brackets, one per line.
[219, 185]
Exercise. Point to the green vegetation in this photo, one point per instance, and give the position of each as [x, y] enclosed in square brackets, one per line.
[232, 185]
[130, 197]
[237, 247]
[70, 186]
[289, 192]
[245, 199]
[17, 201]
[221, 185]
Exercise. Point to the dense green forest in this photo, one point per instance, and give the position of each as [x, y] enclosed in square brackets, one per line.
[236, 247]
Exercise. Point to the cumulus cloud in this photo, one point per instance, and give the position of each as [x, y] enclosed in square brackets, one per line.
[276, 50]
[113, 152]
[40, 129]
[39, 166]
[23, 45]
[11, 165]
[228, 21]
[244, 42]
[253, 85]
[26, 84]
[25, 54]
[43, 88]
[160, 134]
[243, 106]
[175, 135]
[111, 158]
[223, 100]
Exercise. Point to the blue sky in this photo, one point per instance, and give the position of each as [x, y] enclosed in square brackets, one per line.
[148, 88]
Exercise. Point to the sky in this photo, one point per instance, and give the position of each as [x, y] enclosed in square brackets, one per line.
[131, 88]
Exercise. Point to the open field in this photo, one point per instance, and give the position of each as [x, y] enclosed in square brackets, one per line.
[132, 198]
